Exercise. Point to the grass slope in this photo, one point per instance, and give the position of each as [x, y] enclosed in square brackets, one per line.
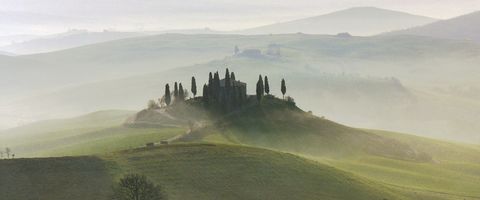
[276, 124]
[455, 170]
[73, 178]
[94, 133]
[215, 171]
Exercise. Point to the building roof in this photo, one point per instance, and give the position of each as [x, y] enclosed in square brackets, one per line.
[239, 83]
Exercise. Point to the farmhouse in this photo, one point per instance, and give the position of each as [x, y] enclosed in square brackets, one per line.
[238, 86]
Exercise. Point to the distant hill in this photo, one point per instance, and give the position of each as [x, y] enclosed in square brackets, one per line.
[70, 39]
[4, 53]
[465, 27]
[191, 31]
[11, 39]
[360, 21]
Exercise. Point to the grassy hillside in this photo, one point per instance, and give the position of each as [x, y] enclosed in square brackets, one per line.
[192, 171]
[213, 171]
[74, 178]
[399, 160]
[279, 125]
[94, 133]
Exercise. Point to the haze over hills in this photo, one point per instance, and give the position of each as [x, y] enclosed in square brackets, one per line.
[350, 78]
[4, 53]
[70, 39]
[360, 21]
[10, 39]
[465, 27]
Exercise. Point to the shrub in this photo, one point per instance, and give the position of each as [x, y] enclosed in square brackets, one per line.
[136, 187]
[152, 104]
[290, 100]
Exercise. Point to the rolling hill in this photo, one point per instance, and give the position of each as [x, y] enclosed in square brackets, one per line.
[465, 27]
[70, 39]
[4, 53]
[359, 21]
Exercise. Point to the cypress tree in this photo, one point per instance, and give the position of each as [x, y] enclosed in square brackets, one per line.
[232, 76]
[194, 87]
[267, 86]
[205, 94]
[260, 89]
[168, 98]
[175, 92]
[228, 87]
[210, 86]
[228, 84]
[181, 93]
[216, 87]
[284, 88]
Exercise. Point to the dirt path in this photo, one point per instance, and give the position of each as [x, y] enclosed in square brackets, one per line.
[195, 126]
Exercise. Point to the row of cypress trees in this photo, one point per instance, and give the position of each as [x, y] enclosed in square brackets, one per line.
[227, 98]
[179, 94]
[264, 87]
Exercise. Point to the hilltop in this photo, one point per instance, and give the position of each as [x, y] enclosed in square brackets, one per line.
[359, 21]
[276, 124]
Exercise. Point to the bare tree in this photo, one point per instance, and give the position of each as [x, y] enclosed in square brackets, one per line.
[7, 151]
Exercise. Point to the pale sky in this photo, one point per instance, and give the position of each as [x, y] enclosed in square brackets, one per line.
[48, 16]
